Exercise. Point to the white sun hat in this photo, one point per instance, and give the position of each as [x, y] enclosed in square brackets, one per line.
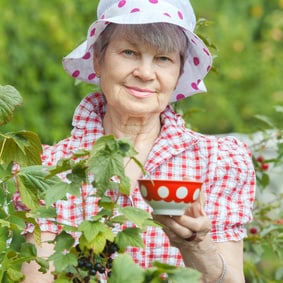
[79, 63]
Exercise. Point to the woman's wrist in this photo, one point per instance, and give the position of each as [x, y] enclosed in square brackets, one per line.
[204, 257]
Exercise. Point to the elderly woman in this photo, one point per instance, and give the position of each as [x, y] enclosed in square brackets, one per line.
[144, 55]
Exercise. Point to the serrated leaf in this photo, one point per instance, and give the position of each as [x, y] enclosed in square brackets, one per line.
[59, 192]
[28, 250]
[137, 216]
[62, 261]
[129, 237]
[10, 98]
[17, 223]
[106, 160]
[23, 147]
[14, 274]
[125, 270]
[104, 165]
[32, 183]
[44, 212]
[92, 229]
[64, 241]
[44, 264]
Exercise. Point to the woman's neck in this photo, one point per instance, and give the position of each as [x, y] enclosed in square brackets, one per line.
[140, 130]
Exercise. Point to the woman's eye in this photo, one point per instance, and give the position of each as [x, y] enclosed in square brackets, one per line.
[164, 58]
[129, 52]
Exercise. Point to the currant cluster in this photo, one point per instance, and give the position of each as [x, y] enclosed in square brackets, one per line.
[90, 265]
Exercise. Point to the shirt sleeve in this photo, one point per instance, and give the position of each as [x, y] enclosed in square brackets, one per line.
[231, 190]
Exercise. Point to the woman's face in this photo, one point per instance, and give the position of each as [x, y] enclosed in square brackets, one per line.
[137, 80]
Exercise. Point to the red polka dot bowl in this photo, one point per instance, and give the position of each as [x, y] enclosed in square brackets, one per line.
[169, 197]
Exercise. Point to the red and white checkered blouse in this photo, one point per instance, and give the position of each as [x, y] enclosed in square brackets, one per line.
[224, 166]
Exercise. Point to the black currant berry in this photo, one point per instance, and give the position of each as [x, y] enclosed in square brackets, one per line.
[92, 271]
[109, 263]
[78, 249]
[88, 265]
[113, 248]
[82, 261]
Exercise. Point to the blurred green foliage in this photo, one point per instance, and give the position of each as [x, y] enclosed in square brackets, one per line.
[35, 35]
[249, 65]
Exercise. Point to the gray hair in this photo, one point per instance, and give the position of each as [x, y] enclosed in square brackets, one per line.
[163, 37]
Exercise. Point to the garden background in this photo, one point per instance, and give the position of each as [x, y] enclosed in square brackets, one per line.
[248, 35]
[246, 81]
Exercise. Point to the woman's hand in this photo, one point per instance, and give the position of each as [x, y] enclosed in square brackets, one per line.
[180, 228]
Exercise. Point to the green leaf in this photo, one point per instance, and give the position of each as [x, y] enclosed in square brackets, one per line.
[28, 250]
[32, 183]
[125, 270]
[44, 212]
[4, 233]
[107, 160]
[15, 275]
[10, 98]
[92, 229]
[62, 281]
[265, 120]
[17, 223]
[269, 229]
[62, 261]
[181, 275]
[137, 216]
[129, 237]
[4, 223]
[64, 241]
[60, 190]
[105, 165]
[23, 147]
[265, 180]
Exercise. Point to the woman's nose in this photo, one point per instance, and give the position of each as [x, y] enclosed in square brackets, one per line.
[144, 70]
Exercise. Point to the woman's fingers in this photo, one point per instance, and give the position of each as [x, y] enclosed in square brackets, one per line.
[184, 225]
[196, 209]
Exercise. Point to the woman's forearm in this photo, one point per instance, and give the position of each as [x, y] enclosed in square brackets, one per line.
[213, 265]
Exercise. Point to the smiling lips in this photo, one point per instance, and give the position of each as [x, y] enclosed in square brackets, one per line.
[139, 92]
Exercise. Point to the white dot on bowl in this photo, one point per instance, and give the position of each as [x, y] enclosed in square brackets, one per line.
[163, 192]
[143, 191]
[196, 194]
[181, 192]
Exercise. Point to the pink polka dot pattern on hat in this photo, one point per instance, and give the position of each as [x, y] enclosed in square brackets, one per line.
[180, 96]
[206, 52]
[75, 74]
[135, 10]
[194, 86]
[91, 76]
[180, 14]
[92, 32]
[196, 61]
[122, 3]
[87, 56]
[153, 1]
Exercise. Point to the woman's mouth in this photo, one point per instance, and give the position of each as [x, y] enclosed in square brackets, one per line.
[139, 92]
